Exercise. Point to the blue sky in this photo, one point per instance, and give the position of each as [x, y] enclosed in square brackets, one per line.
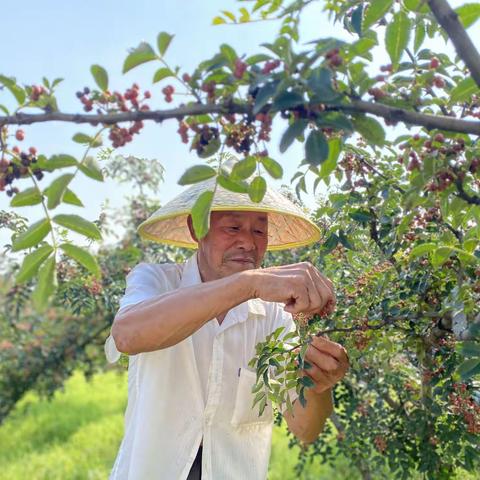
[63, 39]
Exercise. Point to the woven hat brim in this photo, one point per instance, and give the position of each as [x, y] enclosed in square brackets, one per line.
[288, 226]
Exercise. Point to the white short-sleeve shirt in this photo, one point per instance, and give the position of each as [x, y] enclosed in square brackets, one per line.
[197, 390]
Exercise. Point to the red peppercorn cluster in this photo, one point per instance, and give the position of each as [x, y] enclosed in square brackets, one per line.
[380, 443]
[183, 131]
[333, 58]
[205, 135]
[107, 102]
[122, 135]
[270, 66]
[209, 88]
[377, 93]
[240, 68]
[168, 92]
[265, 126]
[438, 81]
[239, 136]
[464, 405]
[17, 167]
[186, 78]
[36, 92]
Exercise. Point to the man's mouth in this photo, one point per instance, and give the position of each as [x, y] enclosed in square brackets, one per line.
[244, 260]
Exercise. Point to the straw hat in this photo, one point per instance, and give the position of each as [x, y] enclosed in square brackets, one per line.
[288, 226]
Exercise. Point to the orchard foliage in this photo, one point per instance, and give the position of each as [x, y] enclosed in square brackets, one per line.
[395, 147]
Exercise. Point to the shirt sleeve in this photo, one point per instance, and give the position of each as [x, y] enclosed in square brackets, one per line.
[144, 281]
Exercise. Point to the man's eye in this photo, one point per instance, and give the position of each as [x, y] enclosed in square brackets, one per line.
[235, 229]
[260, 232]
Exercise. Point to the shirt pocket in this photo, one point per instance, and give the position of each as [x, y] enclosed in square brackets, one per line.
[243, 413]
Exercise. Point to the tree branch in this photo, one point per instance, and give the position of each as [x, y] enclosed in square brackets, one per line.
[389, 113]
[465, 48]
[472, 199]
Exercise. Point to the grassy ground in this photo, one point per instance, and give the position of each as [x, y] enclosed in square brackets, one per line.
[76, 436]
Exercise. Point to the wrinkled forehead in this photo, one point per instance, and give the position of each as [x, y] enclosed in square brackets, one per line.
[261, 217]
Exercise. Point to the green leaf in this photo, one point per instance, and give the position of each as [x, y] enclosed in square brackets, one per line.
[238, 186]
[257, 189]
[329, 165]
[15, 90]
[370, 129]
[343, 239]
[464, 90]
[201, 214]
[100, 76]
[78, 224]
[60, 161]
[293, 131]
[316, 148]
[229, 53]
[419, 36]
[320, 82]
[82, 138]
[416, 6]
[397, 36]
[162, 73]
[229, 15]
[244, 168]
[218, 21]
[33, 235]
[286, 100]
[468, 14]
[85, 139]
[307, 381]
[356, 19]
[210, 148]
[375, 11]
[82, 256]
[361, 216]
[71, 198]
[422, 249]
[47, 283]
[274, 169]
[196, 174]
[334, 119]
[91, 169]
[163, 42]
[29, 196]
[142, 54]
[263, 96]
[32, 262]
[469, 368]
[469, 348]
[440, 255]
[57, 189]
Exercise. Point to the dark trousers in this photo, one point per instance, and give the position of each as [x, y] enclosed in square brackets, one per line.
[196, 470]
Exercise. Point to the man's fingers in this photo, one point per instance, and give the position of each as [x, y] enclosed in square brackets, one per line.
[322, 360]
[333, 349]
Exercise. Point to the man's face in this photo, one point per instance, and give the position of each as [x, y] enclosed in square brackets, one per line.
[236, 241]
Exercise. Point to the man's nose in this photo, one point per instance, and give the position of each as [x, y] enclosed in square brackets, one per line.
[246, 240]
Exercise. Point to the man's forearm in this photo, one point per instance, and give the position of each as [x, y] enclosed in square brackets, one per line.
[307, 423]
[168, 319]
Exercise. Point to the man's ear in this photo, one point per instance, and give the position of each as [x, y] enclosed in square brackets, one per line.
[190, 228]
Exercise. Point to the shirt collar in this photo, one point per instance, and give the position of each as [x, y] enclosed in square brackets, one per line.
[191, 276]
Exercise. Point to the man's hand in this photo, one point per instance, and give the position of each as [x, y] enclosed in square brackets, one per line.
[329, 363]
[301, 287]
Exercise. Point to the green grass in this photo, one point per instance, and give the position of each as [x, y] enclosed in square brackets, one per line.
[76, 436]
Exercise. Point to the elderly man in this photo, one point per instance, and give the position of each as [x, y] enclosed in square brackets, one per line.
[190, 330]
